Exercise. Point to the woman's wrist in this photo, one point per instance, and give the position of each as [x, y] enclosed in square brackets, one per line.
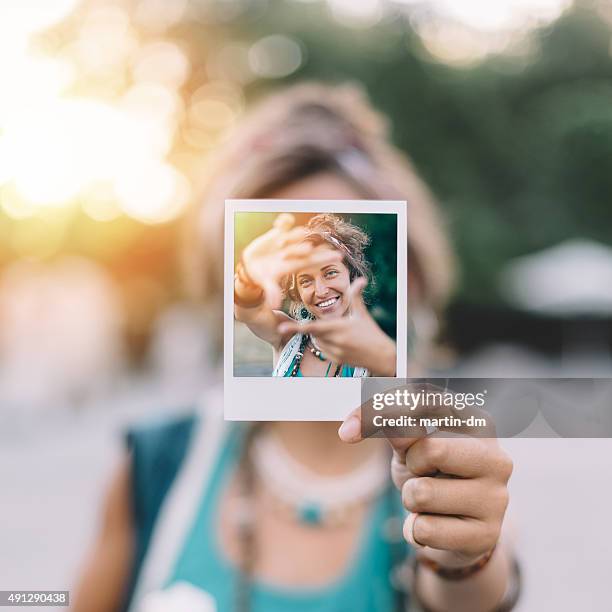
[247, 293]
[456, 569]
[493, 587]
[384, 359]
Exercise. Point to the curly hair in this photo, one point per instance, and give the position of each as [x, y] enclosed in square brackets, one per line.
[349, 239]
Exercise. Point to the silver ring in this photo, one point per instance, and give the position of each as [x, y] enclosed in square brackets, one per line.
[409, 530]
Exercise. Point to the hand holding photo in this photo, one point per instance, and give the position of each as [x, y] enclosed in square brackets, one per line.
[315, 289]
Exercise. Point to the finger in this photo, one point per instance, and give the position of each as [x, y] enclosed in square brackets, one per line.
[403, 437]
[284, 221]
[295, 235]
[453, 496]
[356, 293]
[463, 535]
[320, 329]
[299, 250]
[297, 262]
[457, 455]
[290, 328]
[311, 256]
[400, 402]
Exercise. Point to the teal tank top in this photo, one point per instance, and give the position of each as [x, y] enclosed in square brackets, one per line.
[365, 586]
[346, 372]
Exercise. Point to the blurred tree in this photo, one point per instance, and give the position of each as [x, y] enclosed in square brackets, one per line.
[516, 147]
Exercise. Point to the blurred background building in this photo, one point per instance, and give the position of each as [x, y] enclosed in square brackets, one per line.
[109, 111]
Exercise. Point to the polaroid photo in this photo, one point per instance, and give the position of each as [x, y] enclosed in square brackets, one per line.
[295, 269]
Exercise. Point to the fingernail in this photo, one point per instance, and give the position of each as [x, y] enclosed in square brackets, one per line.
[350, 429]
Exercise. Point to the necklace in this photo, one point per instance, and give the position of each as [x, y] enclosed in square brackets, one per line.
[308, 497]
[307, 341]
[315, 350]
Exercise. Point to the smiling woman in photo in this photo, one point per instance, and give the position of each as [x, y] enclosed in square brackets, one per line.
[322, 270]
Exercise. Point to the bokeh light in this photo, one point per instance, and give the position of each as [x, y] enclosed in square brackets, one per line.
[159, 15]
[20, 19]
[230, 61]
[153, 192]
[216, 105]
[74, 126]
[357, 14]
[466, 32]
[105, 39]
[275, 56]
[501, 14]
[161, 62]
[13, 205]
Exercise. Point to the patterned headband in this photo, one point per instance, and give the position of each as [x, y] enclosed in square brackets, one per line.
[328, 237]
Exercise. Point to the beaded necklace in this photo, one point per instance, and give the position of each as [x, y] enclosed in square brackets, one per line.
[299, 356]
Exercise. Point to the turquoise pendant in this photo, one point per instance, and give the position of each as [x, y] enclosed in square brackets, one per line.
[310, 514]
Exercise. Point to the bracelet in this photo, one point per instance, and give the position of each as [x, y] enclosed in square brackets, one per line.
[242, 276]
[455, 573]
[507, 603]
[253, 303]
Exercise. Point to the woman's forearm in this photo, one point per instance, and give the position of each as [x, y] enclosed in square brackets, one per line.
[259, 318]
[249, 302]
[481, 592]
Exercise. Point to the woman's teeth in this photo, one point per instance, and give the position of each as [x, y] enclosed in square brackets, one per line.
[327, 303]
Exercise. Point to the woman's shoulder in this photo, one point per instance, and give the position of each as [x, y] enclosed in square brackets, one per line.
[157, 450]
[167, 434]
[159, 447]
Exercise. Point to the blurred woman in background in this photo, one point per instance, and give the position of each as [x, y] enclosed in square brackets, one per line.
[206, 515]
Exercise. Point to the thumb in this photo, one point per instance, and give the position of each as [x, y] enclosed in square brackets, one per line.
[284, 222]
[356, 294]
[350, 430]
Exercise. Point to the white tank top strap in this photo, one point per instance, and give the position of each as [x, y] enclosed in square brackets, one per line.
[287, 354]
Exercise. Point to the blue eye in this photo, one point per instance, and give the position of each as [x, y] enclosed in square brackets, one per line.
[331, 273]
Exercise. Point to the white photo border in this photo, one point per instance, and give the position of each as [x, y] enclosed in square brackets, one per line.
[318, 399]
